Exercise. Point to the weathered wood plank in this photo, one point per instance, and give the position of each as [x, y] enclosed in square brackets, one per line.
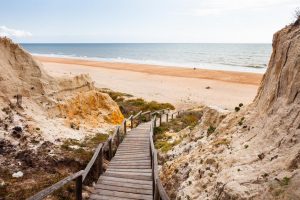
[129, 176]
[130, 185]
[105, 197]
[146, 162]
[134, 143]
[132, 158]
[123, 188]
[124, 194]
[146, 152]
[130, 166]
[123, 154]
[130, 147]
[129, 170]
[125, 180]
[131, 173]
[134, 155]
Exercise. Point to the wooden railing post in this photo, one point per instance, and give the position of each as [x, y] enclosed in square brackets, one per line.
[159, 120]
[118, 138]
[156, 193]
[79, 188]
[140, 118]
[125, 128]
[96, 168]
[100, 161]
[131, 125]
[110, 149]
[153, 179]
[167, 117]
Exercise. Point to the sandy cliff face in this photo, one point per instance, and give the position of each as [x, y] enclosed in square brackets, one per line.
[253, 153]
[43, 94]
[20, 73]
[53, 130]
[281, 82]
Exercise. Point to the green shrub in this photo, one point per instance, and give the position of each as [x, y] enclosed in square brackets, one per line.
[285, 181]
[210, 130]
[237, 109]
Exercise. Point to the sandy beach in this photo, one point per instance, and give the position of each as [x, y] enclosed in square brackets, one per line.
[182, 87]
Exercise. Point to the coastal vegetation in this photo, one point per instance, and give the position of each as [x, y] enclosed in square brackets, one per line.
[130, 105]
[164, 139]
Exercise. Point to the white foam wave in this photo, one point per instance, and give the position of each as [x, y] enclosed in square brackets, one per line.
[211, 66]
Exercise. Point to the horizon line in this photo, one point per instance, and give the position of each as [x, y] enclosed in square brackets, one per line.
[144, 42]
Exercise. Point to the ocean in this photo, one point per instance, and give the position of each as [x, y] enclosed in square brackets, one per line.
[230, 57]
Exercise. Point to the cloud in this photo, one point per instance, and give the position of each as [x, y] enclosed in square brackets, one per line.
[8, 32]
[216, 7]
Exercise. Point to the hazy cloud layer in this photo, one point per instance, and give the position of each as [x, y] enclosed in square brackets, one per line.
[216, 7]
[8, 32]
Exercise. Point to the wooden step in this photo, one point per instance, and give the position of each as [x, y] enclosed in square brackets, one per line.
[134, 154]
[124, 158]
[129, 173]
[123, 194]
[124, 180]
[129, 176]
[130, 166]
[123, 188]
[105, 197]
[130, 185]
[129, 170]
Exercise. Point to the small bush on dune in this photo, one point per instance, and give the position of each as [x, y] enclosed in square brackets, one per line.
[187, 119]
[210, 130]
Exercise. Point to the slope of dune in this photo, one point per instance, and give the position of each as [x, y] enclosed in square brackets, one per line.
[253, 153]
[40, 118]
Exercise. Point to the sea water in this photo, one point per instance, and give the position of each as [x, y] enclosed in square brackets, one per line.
[230, 57]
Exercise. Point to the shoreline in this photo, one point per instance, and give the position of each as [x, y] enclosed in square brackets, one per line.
[183, 88]
[218, 75]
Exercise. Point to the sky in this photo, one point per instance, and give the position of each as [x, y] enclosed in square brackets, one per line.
[143, 21]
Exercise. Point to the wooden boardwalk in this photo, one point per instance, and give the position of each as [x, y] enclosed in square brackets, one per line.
[129, 174]
[132, 172]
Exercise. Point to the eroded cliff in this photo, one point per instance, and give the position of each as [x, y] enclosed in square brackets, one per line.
[253, 153]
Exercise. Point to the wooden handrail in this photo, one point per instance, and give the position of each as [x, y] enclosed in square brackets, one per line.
[137, 115]
[145, 113]
[158, 189]
[98, 160]
[44, 193]
[92, 161]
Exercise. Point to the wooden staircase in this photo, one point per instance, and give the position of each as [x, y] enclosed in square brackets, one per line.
[129, 174]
